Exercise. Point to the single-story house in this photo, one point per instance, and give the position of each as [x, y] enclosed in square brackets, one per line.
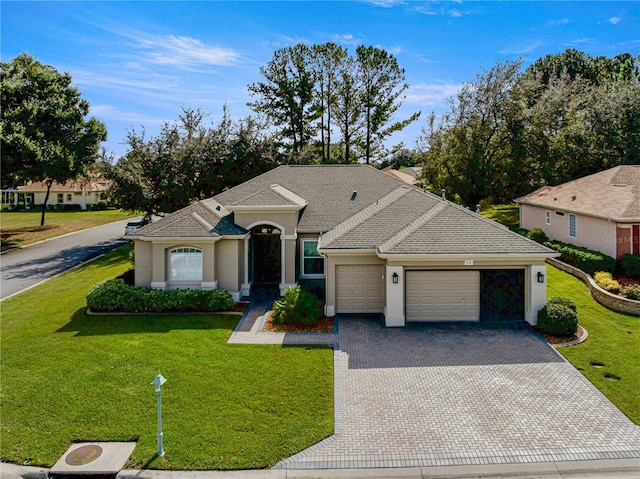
[368, 241]
[78, 192]
[600, 211]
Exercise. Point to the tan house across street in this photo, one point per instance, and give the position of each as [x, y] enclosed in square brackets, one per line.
[366, 241]
[600, 211]
[79, 192]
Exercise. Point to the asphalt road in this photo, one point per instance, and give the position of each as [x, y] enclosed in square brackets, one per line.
[33, 264]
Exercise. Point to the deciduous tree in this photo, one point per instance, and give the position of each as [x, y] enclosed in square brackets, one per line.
[44, 130]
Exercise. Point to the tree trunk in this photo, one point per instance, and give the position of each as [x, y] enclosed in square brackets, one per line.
[46, 199]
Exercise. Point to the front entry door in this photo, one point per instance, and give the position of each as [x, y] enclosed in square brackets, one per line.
[266, 255]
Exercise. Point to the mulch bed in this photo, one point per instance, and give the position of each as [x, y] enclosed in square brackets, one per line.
[239, 308]
[555, 340]
[323, 325]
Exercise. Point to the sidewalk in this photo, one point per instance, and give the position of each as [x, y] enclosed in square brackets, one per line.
[606, 469]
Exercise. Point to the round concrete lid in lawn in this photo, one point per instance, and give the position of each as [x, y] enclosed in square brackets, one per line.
[83, 455]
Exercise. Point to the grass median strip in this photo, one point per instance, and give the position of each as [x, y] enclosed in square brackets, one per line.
[610, 358]
[67, 376]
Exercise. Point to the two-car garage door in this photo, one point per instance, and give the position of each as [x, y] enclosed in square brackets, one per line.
[442, 295]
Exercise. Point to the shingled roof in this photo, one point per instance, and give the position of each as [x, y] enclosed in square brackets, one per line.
[613, 194]
[353, 207]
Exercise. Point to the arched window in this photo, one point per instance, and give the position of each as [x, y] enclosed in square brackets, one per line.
[186, 264]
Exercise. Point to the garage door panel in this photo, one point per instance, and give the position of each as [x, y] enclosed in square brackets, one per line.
[359, 288]
[442, 295]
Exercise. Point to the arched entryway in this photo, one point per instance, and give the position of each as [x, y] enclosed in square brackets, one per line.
[266, 255]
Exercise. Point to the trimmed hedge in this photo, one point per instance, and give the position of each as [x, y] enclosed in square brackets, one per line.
[114, 295]
[297, 305]
[630, 264]
[587, 260]
[558, 317]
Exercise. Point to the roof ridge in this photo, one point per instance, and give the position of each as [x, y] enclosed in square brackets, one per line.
[202, 221]
[216, 212]
[364, 214]
[413, 226]
[288, 194]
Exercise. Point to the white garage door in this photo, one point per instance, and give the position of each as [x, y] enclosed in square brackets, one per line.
[442, 295]
[359, 288]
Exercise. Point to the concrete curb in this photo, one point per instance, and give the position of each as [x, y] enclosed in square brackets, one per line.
[597, 469]
[583, 337]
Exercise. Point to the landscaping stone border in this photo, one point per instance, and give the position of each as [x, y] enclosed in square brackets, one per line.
[605, 298]
[583, 337]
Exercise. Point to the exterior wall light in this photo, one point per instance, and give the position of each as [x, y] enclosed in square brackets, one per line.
[395, 278]
[540, 277]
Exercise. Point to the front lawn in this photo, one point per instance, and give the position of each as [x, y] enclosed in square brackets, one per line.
[508, 215]
[67, 377]
[20, 228]
[610, 358]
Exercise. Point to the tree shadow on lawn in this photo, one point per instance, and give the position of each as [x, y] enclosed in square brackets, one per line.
[89, 325]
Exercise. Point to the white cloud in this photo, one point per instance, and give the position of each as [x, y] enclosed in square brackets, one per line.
[346, 39]
[111, 113]
[521, 50]
[183, 52]
[562, 21]
[431, 94]
[386, 3]
[614, 20]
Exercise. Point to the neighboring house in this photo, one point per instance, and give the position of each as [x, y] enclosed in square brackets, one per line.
[78, 192]
[368, 241]
[600, 211]
[409, 174]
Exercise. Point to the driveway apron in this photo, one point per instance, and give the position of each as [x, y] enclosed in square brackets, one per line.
[430, 395]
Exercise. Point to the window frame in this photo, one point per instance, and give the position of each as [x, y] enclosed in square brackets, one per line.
[573, 226]
[547, 217]
[185, 250]
[303, 257]
[60, 198]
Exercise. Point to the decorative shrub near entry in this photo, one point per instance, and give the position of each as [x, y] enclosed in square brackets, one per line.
[606, 282]
[114, 295]
[587, 260]
[558, 317]
[297, 305]
[630, 264]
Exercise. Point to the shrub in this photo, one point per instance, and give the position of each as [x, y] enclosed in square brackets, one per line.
[115, 295]
[606, 282]
[630, 264]
[297, 305]
[587, 260]
[557, 319]
[561, 300]
[632, 291]
[537, 235]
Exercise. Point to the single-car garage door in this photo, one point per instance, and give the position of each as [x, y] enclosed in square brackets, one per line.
[359, 288]
[442, 295]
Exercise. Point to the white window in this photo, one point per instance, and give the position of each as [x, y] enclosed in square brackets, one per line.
[572, 226]
[312, 262]
[69, 197]
[186, 264]
[548, 217]
[60, 198]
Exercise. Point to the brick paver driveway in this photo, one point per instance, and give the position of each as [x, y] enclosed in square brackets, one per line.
[443, 395]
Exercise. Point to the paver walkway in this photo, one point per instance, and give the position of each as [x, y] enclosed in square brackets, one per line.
[438, 395]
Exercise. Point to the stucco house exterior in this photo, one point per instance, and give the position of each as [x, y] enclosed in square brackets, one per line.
[78, 192]
[368, 242]
[600, 211]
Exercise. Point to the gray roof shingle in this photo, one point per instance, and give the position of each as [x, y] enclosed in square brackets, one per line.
[613, 193]
[354, 207]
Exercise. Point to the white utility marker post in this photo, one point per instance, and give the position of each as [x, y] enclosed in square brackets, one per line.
[158, 382]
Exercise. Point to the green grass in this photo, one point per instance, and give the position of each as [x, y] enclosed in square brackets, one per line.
[20, 228]
[612, 349]
[508, 215]
[67, 377]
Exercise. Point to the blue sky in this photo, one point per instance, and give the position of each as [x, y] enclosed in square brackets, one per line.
[138, 63]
